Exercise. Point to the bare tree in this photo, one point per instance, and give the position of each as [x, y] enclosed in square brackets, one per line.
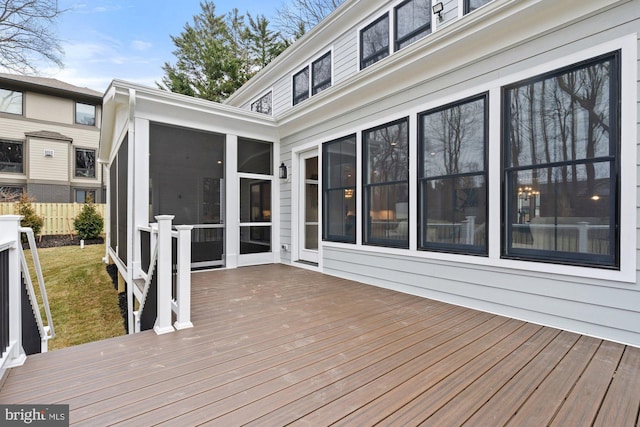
[296, 17]
[27, 33]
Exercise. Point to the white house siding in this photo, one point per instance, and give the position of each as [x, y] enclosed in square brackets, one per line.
[282, 97]
[345, 56]
[587, 300]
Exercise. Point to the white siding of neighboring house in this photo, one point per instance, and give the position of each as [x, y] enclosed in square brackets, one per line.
[588, 300]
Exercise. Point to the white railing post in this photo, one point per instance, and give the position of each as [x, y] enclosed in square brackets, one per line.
[183, 288]
[163, 319]
[583, 236]
[10, 228]
[471, 230]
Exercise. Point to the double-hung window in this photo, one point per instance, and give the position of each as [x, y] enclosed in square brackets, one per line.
[85, 163]
[339, 194]
[453, 177]
[10, 101]
[301, 85]
[11, 156]
[412, 22]
[386, 184]
[374, 42]
[321, 74]
[561, 141]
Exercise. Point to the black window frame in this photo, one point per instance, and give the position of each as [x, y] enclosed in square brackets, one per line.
[423, 30]
[75, 163]
[367, 238]
[79, 122]
[4, 165]
[457, 248]
[317, 87]
[379, 54]
[467, 6]
[257, 106]
[303, 95]
[21, 113]
[327, 189]
[612, 260]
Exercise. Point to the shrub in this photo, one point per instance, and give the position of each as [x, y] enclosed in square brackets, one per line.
[88, 223]
[30, 219]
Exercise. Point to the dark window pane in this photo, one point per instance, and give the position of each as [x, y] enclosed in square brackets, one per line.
[339, 172]
[321, 73]
[413, 22]
[10, 101]
[255, 240]
[84, 196]
[470, 5]
[255, 156]
[387, 153]
[374, 42]
[263, 105]
[301, 86]
[387, 220]
[255, 200]
[561, 165]
[85, 114]
[11, 156]
[85, 163]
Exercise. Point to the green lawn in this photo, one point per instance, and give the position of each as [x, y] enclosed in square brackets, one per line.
[83, 301]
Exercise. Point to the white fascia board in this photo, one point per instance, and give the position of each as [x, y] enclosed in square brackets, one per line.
[504, 24]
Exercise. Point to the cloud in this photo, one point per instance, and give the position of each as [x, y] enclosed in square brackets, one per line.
[140, 45]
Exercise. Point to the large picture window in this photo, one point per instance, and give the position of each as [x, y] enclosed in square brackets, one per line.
[85, 163]
[374, 42]
[453, 177]
[339, 196]
[11, 156]
[413, 22]
[386, 184]
[321, 74]
[10, 101]
[561, 135]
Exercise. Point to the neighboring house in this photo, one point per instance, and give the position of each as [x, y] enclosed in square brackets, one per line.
[49, 136]
[484, 155]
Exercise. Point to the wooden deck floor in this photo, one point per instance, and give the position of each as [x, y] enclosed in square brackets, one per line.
[274, 345]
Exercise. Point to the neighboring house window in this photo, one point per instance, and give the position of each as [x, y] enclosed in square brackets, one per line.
[412, 22]
[85, 114]
[374, 42]
[453, 177]
[11, 156]
[339, 196]
[321, 74]
[84, 196]
[10, 193]
[85, 163]
[471, 5]
[263, 104]
[301, 86]
[10, 101]
[561, 163]
[386, 184]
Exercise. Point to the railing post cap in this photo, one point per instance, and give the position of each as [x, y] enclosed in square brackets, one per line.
[184, 227]
[10, 218]
[164, 217]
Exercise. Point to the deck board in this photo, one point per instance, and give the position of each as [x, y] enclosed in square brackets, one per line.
[276, 345]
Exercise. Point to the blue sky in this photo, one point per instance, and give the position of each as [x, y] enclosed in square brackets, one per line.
[129, 39]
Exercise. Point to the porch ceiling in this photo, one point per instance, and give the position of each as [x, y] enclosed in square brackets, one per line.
[275, 344]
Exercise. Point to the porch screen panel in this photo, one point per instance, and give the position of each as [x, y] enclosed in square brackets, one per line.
[339, 190]
[113, 203]
[186, 169]
[123, 209]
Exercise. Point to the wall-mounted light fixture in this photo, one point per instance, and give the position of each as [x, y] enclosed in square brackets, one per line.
[437, 10]
[283, 171]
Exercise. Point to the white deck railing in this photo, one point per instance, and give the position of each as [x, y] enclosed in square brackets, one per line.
[173, 279]
[14, 267]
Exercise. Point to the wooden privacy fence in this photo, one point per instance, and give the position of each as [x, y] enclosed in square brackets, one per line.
[58, 217]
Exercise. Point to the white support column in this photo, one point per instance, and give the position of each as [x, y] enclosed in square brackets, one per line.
[183, 291]
[163, 319]
[10, 227]
[232, 206]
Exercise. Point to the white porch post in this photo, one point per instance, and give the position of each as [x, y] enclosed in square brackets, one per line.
[10, 227]
[183, 291]
[163, 319]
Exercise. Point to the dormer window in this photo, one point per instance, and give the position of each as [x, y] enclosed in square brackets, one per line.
[374, 42]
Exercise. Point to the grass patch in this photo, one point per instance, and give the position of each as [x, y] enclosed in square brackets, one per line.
[83, 302]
